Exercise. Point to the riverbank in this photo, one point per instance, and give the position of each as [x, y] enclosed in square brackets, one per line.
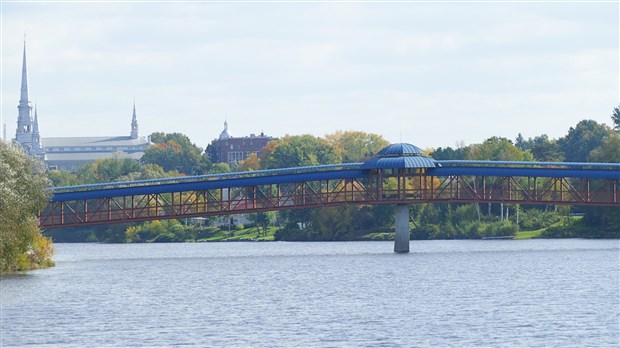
[572, 220]
[250, 234]
[173, 231]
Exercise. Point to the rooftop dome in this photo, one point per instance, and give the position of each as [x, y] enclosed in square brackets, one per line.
[224, 134]
[400, 155]
[400, 149]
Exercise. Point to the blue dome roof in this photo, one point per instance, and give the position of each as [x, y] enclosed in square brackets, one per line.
[400, 156]
[400, 149]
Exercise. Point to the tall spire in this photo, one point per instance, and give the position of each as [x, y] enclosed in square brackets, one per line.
[24, 90]
[134, 123]
[36, 137]
[35, 126]
[23, 134]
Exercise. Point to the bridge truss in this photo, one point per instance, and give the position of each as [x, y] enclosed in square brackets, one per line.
[120, 204]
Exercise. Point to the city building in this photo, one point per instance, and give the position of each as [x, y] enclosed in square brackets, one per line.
[229, 149]
[69, 153]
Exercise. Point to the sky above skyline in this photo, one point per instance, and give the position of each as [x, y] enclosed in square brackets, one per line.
[431, 74]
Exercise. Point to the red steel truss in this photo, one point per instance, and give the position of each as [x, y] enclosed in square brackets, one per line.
[380, 187]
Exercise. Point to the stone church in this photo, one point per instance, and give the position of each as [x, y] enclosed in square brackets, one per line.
[69, 153]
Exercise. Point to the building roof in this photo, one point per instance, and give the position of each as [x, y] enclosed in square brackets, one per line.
[400, 162]
[400, 149]
[93, 141]
[400, 155]
[89, 156]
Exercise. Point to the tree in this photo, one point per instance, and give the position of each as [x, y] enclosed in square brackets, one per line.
[23, 192]
[608, 151]
[175, 151]
[497, 149]
[615, 118]
[520, 142]
[543, 149]
[63, 178]
[262, 220]
[449, 153]
[220, 168]
[355, 146]
[297, 225]
[107, 170]
[146, 172]
[297, 151]
[334, 223]
[251, 163]
[581, 140]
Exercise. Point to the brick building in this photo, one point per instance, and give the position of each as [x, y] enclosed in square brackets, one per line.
[229, 149]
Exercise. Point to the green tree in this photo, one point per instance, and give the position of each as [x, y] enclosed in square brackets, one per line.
[297, 151]
[497, 149]
[581, 140]
[220, 168]
[355, 146]
[146, 172]
[107, 170]
[449, 153]
[334, 223]
[175, 151]
[546, 150]
[23, 192]
[520, 142]
[543, 149]
[608, 151]
[615, 118]
[262, 220]
[63, 178]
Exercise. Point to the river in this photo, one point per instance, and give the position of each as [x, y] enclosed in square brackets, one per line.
[491, 293]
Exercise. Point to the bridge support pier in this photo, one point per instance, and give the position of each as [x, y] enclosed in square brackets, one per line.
[401, 240]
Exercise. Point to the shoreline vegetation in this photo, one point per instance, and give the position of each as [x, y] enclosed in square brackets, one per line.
[22, 193]
[172, 231]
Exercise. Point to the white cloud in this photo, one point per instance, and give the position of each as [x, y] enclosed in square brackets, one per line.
[435, 73]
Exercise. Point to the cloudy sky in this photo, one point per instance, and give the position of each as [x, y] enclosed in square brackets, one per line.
[432, 74]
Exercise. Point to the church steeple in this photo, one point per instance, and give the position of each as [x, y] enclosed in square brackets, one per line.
[134, 123]
[23, 135]
[24, 89]
[35, 125]
[36, 137]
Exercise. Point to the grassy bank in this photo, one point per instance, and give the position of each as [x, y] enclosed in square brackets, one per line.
[537, 233]
[246, 234]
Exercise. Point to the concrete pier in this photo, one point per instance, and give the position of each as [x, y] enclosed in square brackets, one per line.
[401, 241]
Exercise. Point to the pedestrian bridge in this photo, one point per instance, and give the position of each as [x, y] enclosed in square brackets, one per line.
[399, 175]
